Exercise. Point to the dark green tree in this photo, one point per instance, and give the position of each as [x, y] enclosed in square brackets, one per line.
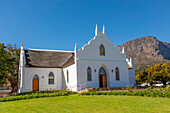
[3, 64]
[9, 65]
[13, 66]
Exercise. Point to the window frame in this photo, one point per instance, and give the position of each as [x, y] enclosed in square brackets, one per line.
[51, 78]
[89, 74]
[102, 73]
[117, 74]
[102, 50]
[37, 78]
[67, 76]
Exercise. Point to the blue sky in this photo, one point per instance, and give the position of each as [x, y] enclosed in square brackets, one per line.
[59, 24]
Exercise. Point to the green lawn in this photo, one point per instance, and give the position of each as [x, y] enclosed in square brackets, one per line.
[96, 103]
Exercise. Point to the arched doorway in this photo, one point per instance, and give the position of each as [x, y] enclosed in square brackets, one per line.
[35, 83]
[102, 78]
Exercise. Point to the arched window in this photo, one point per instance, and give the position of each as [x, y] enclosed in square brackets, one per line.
[117, 73]
[89, 77]
[35, 77]
[51, 78]
[102, 71]
[67, 76]
[102, 50]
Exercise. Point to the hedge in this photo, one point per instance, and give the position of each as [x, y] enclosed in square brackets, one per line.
[31, 96]
[131, 93]
[46, 91]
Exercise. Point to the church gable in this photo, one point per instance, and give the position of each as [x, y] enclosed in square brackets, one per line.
[100, 48]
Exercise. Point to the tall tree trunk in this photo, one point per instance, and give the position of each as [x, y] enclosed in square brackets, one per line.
[14, 88]
[13, 83]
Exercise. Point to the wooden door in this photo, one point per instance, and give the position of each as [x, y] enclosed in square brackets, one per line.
[100, 81]
[104, 80]
[35, 85]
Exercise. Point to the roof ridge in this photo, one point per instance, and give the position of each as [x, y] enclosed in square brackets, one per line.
[49, 50]
[67, 62]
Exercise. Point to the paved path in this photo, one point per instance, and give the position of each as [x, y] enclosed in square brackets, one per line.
[4, 92]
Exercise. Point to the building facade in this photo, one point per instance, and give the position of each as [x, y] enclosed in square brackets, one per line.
[97, 64]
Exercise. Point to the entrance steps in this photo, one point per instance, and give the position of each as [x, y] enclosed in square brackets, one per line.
[84, 90]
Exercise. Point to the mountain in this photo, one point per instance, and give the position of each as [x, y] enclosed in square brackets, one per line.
[147, 51]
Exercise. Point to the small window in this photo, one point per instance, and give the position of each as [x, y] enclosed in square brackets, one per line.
[102, 50]
[51, 78]
[67, 76]
[117, 73]
[102, 71]
[35, 77]
[89, 77]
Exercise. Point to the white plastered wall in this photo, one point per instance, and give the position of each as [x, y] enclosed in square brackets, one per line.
[108, 66]
[89, 56]
[132, 77]
[72, 74]
[42, 73]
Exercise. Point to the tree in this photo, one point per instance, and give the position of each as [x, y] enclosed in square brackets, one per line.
[13, 66]
[158, 72]
[141, 77]
[3, 64]
[162, 72]
[9, 64]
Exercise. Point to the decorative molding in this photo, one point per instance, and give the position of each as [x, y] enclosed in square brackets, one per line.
[95, 60]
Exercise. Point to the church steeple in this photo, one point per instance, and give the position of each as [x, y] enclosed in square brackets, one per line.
[22, 54]
[21, 66]
[96, 31]
[104, 31]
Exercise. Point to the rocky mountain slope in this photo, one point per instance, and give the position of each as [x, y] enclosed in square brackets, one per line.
[147, 51]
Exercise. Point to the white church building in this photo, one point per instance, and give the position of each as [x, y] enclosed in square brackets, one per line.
[97, 64]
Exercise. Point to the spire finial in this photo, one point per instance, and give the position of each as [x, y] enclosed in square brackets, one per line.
[118, 48]
[76, 49]
[75, 52]
[131, 62]
[22, 47]
[123, 50]
[104, 31]
[22, 43]
[96, 31]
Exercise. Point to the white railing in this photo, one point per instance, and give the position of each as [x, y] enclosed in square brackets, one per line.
[81, 86]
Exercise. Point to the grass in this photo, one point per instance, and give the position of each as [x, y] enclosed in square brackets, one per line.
[88, 104]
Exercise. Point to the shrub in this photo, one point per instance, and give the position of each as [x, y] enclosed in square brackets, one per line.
[85, 93]
[99, 93]
[129, 88]
[96, 89]
[153, 93]
[38, 94]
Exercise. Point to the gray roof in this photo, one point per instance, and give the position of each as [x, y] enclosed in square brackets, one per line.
[48, 59]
